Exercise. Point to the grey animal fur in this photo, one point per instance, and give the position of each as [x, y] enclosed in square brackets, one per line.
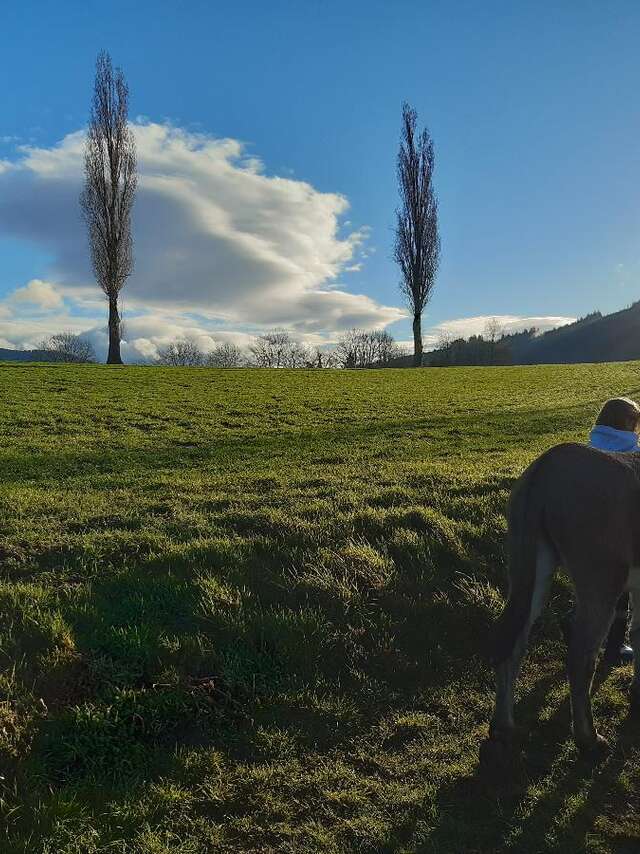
[580, 508]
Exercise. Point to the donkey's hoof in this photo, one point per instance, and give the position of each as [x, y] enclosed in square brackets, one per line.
[497, 757]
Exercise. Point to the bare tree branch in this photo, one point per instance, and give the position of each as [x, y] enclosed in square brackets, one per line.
[183, 353]
[226, 355]
[361, 348]
[68, 347]
[319, 358]
[417, 244]
[493, 332]
[109, 190]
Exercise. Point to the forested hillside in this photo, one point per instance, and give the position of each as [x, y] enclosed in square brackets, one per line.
[594, 338]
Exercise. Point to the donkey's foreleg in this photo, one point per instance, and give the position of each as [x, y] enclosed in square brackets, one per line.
[594, 612]
[507, 672]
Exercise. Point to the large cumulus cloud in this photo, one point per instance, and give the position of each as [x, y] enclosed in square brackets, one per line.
[214, 234]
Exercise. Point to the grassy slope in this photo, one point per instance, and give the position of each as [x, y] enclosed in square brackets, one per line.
[243, 610]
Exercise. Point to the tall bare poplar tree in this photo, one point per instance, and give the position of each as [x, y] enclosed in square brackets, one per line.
[110, 184]
[417, 244]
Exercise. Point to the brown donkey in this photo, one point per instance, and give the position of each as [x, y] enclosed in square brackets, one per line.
[580, 508]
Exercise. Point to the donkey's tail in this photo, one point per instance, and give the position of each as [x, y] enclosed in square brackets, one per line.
[525, 528]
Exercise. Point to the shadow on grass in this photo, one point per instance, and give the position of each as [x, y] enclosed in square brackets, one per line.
[550, 799]
[173, 653]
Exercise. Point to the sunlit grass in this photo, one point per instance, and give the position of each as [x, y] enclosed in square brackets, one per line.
[245, 610]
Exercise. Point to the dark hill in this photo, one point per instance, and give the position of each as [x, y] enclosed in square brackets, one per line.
[7, 355]
[594, 338]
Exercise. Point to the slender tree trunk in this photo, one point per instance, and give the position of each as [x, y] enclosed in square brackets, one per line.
[417, 340]
[114, 357]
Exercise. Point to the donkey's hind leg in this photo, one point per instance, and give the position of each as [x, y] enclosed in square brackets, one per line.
[634, 637]
[594, 613]
[502, 724]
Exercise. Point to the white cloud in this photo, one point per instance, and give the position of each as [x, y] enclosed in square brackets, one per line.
[26, 331]
[144, 333]
[223, 250]
[213, 234]
[39, 294]
[463, 327]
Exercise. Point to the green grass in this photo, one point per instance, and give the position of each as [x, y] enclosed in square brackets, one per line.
[245, 611]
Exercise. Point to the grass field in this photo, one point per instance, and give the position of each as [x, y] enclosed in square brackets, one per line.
[245, 610]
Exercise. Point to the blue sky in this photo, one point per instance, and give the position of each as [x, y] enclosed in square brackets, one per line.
[533, 109]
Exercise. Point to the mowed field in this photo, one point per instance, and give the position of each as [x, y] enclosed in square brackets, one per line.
[244, 611]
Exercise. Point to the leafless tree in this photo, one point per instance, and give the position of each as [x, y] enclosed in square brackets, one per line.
[226, 355]
[361, 348]
[271, 349]
[183, 353]
[351, 349]
[385, 347]
[493, 332]
[298, 356]
[347, 349]
[445, 339]
[68, 347]
[109, 190]
[277, 349]
[320, 358]
[417, 244]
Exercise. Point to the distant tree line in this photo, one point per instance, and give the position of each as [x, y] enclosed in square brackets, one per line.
[492, 347]
[594, 338]
[357, 348]
[475, 350]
